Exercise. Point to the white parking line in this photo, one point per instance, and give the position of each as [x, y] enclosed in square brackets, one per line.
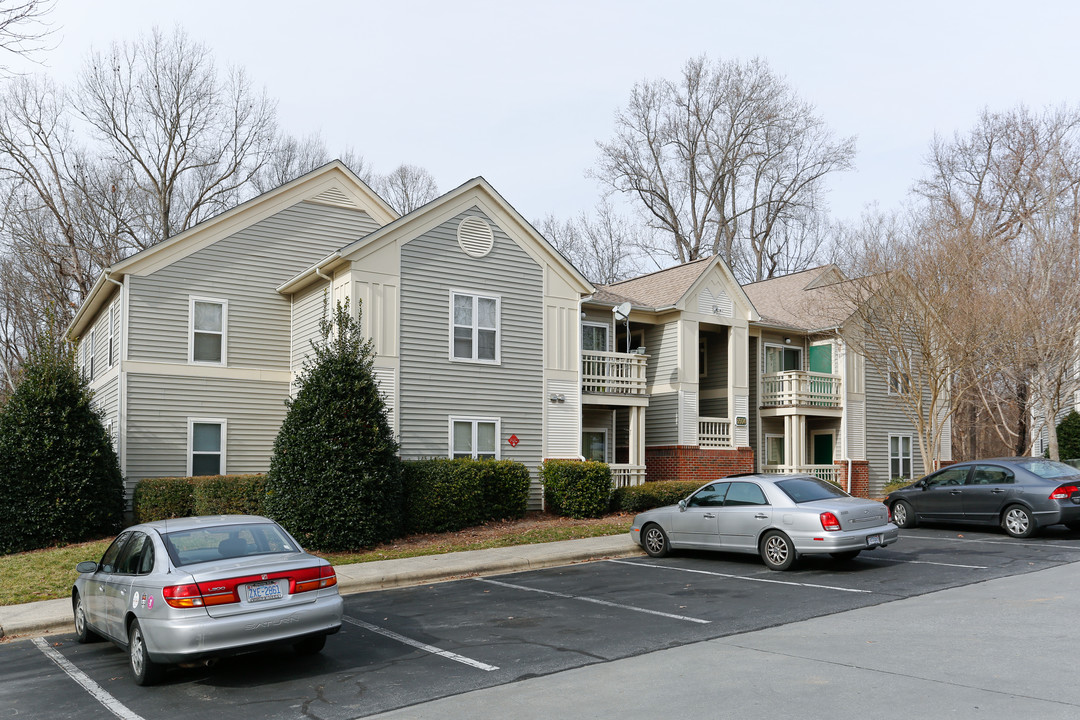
[1014, 543]
[595, 601]
[740, 577]
[422, 646]
[99, 693]
[927, 562]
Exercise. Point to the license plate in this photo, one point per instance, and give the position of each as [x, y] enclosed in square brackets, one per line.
[872, 540]
[257, 592]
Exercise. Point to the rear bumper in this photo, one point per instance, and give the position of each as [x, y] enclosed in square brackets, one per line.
[178, 640]
[830, 542]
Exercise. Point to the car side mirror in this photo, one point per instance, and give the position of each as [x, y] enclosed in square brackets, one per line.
[682, 506]
[86, 566]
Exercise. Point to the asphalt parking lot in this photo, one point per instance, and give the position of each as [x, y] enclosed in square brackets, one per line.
[407, 646]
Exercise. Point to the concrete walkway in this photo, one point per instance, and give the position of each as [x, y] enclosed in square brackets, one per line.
[54, 616]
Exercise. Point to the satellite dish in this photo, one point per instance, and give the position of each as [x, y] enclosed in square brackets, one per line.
[622, 312]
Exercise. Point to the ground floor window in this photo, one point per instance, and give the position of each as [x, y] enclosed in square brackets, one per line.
[594, 444]
[900, 457]
[474, 438]
[774, 449]
[206, 446]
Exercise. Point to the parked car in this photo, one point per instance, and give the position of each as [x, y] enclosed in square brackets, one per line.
[1020, 494]
[179, 591]
[779, 517]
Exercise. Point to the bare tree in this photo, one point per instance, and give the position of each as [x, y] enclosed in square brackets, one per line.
[406, 187]
[23, 26]
[293, 157]
[728, 161]
[602, 245]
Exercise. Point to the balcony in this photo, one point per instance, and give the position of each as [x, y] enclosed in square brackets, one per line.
[801, 389]
[829, 473]
[613, 373]
[627, 475]
[714, 432]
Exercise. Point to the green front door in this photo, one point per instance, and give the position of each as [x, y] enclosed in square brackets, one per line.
[823, 445]
[821, 359]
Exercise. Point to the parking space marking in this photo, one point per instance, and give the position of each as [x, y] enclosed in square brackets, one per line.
[740, 577]
[595, 601]
[927, 562]
[422, 646]
[99, 693]
[1013, 543]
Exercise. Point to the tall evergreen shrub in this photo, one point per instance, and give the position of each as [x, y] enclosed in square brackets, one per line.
[1068, 432]
[335, 478]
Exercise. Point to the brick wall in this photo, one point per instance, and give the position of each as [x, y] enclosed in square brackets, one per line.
[689, 462]
[860, 476]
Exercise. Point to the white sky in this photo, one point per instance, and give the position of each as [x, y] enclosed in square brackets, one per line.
[520, 93]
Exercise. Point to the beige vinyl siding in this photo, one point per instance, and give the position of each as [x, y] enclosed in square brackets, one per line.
[662, 420]
[308, 308]
[432, 387]
[158, 407]
[243, 268]
[662, 347]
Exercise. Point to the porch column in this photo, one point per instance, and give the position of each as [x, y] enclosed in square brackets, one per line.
[632, 431]
[640, 458]
[789, 442]
[739, 383]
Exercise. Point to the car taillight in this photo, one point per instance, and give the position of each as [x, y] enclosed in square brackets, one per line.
[1064, 492]
[829, 521]
[313, 579]
[183, 596]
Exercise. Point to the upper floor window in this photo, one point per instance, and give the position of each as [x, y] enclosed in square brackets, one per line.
[475, 321]
[780, 358]
[899, 377]
[88, 358]
[476, 438]
[209, 319]
[594, 337]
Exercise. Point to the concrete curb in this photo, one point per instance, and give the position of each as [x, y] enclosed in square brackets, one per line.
[54, 616]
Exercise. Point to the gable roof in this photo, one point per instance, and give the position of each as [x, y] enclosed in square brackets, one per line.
[331, 184]
[811, 300]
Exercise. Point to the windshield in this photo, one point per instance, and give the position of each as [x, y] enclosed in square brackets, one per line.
[1048, 469]
[809, 489]
[205, 544]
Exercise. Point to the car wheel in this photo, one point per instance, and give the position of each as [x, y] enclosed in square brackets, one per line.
[777, 551]
[655, 542]
[83, 633]
[846, 555]
[310, 645]
[1018, 521]
[144, 670]
[903, 514]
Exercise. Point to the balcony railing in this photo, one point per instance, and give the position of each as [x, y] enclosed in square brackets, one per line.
[627, 475]
[617, 373]
[802, 389]
[829, 473]
[714, 432]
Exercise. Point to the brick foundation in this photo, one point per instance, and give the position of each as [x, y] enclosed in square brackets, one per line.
[689, 462]
[860, 476]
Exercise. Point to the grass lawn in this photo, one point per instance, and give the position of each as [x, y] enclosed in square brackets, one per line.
[50, 573]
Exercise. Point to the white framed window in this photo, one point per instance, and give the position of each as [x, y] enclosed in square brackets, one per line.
[899, 457]
[475, 437]
[594, 444]
[782, 358]
[207, 331]
[89, 366]
[899, 378]
[114, 319]
[594, 337]
[474, 323]
[206, 446]
[774, 449]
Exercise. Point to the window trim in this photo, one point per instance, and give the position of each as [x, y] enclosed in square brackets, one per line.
[783, 448]
[475, 420]
[192, 299]
[112, 335]
[602, 430]
[88, 368]
[784, 347]
[607, 335]
[910, 456]
[475, 327]
[898, 374]
[224, 423]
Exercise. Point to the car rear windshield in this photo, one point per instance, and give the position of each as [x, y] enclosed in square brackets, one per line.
[1048, 469]
[222, 542]
[809, 489]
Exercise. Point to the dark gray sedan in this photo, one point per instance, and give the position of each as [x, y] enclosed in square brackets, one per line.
[178, 591]
[1020, 494]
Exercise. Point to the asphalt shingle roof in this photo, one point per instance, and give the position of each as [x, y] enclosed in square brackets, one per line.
[813, 299]
[662, 288]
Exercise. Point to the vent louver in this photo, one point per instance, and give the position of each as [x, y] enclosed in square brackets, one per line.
[475, 237]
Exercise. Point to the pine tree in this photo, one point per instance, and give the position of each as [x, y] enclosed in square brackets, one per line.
[335, 478]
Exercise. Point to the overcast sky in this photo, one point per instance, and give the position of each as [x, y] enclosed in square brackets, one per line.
[521, 92]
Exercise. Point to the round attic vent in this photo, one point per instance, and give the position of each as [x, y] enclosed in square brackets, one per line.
[475, 237]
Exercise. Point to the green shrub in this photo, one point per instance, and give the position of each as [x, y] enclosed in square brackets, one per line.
[576, 488]
[335, 478]
[1068, 433]
[230, 495]
[896, 484]
[639, 498]
[60, 479]
[443, 495]
[505, 487]
[162, 498]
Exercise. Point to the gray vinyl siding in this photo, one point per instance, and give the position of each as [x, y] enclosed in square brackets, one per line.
[158, 408]
[885, 417]
[433, 388]
[308, 307]
[107, 401]
[754, 346]
[662, 347]
[662, 420]
[243, 268]
[603, 420]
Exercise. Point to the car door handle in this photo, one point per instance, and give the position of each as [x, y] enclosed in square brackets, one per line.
[709, 515]
[997, 491]
[761, 516]
[954, 492]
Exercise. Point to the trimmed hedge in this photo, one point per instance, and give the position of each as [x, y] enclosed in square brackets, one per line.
[576, 488]
[173, 497]
[443, 495]
[647, 496]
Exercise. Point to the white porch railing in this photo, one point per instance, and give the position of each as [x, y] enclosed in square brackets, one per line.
[608, 372]
[627, 475]
[804, 389]
[830, 473]
[714, 432]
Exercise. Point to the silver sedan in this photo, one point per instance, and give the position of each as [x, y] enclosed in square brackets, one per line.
[178, 591]
[778, 517]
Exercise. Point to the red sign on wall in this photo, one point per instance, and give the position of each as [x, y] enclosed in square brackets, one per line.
[513, 440]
